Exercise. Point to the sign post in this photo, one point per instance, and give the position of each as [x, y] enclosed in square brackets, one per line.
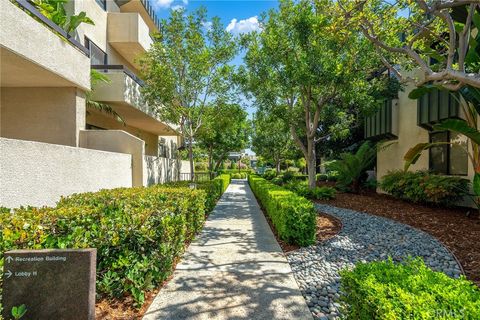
[52, 284]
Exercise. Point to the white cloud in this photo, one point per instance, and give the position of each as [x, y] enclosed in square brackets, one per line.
[177, 7]
[164, 3]
[185, 2]
[207, 25]
[243, 26]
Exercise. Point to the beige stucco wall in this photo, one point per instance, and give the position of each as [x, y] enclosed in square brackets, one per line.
[117, 141]
[52, 115]
[34, 42]
[409, 134]
[37, 174]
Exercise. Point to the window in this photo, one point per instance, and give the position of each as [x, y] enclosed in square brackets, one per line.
[97, 55]
[102, 4]
[449, 159]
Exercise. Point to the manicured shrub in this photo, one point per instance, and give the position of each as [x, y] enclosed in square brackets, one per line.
[424, 187]
[270, 174]
[293, 216]
[238, 175]
[409, 290]
[318, 193]
[139, 233]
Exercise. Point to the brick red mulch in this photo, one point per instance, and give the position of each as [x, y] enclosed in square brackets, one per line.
[460, 233]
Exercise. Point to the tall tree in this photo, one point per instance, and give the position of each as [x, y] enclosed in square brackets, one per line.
[225, 128]
[271, 138]
[301, 64]
[439, 37]
[187, 69]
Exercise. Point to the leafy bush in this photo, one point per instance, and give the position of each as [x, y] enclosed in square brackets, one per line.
[270, 174]
[241, 175]
[322, 177]
[351, 167]
[139, 233]
[424, 187]
[293, 216]
[410, 290]
[332, 176]
[319, 193]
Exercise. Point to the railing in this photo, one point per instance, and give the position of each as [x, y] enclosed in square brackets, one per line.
[151, 12]
[199, 176]
[148, 7]
[119, 67]
[28, 6]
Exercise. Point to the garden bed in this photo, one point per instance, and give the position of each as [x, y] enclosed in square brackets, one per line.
[327, 227]
[451, 226]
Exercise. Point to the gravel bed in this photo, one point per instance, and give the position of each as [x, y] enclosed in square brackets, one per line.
[363, 238]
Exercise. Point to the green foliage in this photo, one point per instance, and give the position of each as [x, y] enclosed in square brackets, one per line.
[409, 290]
[351, 167]
[19, 312]
[317, 193]
[322, 177]
[138, 232]
[241, 175]
[97, 78]
[293, 216]
[54, 10]
[269, 174]
[424, 187]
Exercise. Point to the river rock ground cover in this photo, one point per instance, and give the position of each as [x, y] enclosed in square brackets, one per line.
[456, 228]
[364, 238]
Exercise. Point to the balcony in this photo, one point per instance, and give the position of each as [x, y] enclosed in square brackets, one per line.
[123, 93]
[144, 8]
[436, 106]
[129, 35]
[44, 55]
[383, 124]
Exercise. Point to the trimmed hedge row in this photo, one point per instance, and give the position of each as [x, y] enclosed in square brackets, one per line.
[409, 290]
[293, 216]
[425, 187]
[139, 233]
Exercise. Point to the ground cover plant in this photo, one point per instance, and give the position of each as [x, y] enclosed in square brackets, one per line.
[409, 290]
[293, 216]
[139, 233]
[424, 187]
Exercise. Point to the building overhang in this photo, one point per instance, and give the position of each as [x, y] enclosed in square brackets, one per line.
[41, 57]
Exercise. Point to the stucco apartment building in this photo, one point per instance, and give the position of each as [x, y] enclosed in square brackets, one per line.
[405, 122]
[51, 144]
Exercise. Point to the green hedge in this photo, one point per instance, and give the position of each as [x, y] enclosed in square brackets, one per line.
[424, 187]
[318, 193]
[138, 232]
[293, 216]
[410, 290]
[241, 175]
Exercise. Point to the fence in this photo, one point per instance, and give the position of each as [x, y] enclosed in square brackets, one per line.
[199, 176]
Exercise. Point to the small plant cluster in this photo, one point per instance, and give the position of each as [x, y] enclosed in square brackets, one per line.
[238, 175]
[425, 187]
[408, 290]
[139, 233]
[293, 216]
[319, 193]
[330, 176]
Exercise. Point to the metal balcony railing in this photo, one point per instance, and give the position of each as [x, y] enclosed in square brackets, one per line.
[114, 67]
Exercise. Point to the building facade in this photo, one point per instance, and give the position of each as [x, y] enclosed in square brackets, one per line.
[51, 143]
[403, 123]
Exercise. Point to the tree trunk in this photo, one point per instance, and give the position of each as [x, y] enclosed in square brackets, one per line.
[210, 163]
[277, 166]
[311, 163]
[190, 157]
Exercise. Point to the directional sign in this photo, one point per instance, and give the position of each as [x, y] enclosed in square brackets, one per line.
[52, 284]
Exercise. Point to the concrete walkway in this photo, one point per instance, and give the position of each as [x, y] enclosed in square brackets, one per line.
[235, 269]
